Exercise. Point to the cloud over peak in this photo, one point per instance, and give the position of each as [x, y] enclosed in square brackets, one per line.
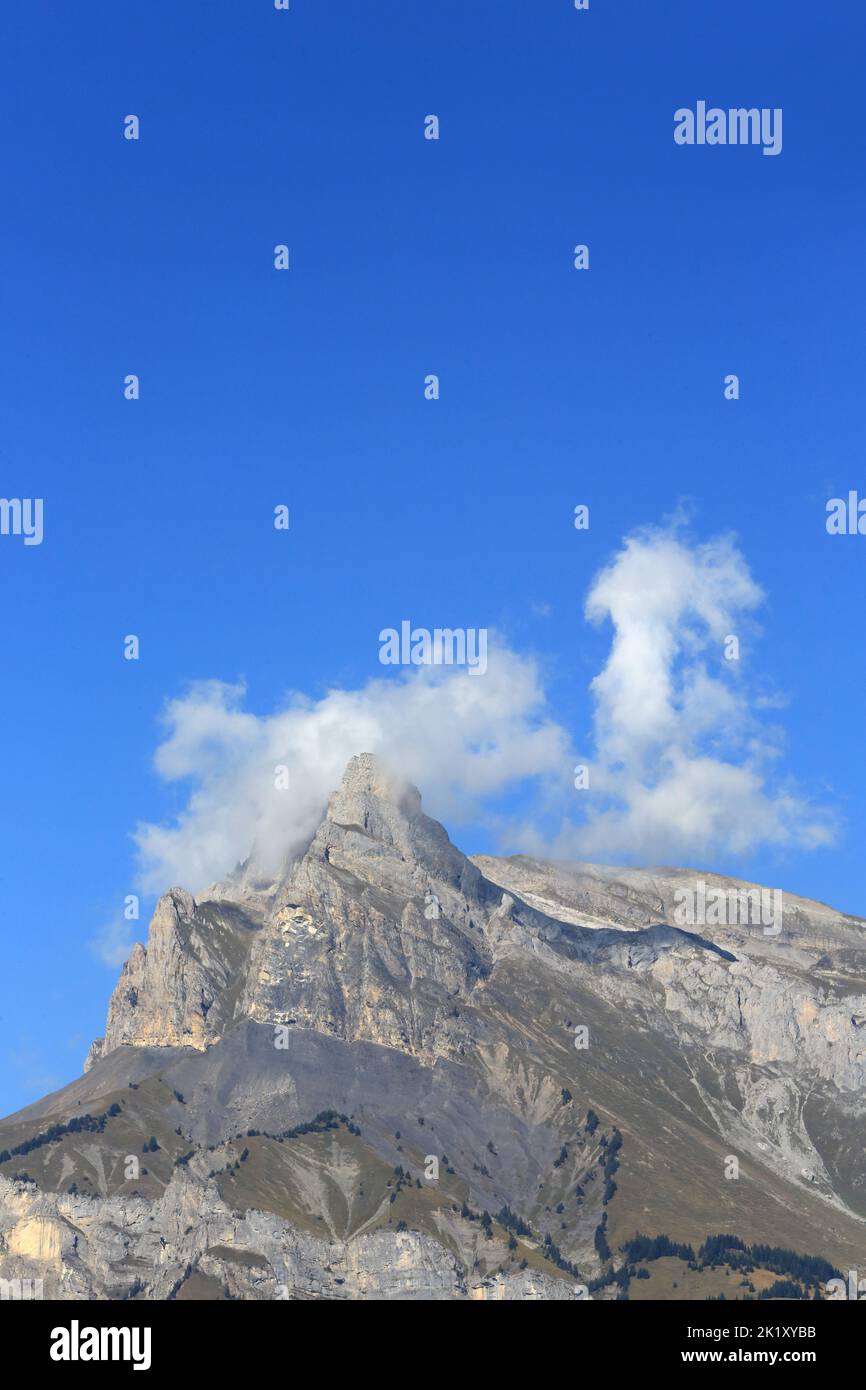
[680, 767]
[462, 741]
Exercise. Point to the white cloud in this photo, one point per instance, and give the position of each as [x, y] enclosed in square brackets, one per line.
[462, 739]
[680, 761]
[679, 769]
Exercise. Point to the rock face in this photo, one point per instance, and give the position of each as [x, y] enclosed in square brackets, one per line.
[378, 929]
[399, 1072]
[182, 988]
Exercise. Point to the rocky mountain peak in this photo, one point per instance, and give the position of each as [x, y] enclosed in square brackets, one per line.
[376, 831]
[376, 800]
[367, 777]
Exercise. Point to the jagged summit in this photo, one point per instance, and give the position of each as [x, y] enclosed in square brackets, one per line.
[372, 797]
[367, 776]
[375, 829]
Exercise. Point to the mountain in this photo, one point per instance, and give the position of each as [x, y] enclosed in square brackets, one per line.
[398, 1072]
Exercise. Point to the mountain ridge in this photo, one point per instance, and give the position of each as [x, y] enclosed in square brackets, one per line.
[433, 1005]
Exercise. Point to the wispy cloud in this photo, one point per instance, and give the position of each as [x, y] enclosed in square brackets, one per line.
[35, 1073]
[681, 762]
[113, 942]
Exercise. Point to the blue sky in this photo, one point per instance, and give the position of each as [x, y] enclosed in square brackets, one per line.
[306, 387]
